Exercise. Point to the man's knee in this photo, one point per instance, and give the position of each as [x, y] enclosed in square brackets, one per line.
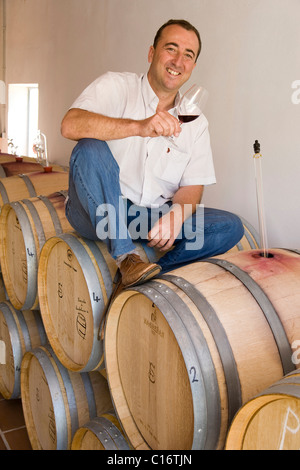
[234, 232]
[93, 154]
[237, 227]
[225, 227]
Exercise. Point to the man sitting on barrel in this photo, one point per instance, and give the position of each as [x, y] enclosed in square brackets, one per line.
[128, 182]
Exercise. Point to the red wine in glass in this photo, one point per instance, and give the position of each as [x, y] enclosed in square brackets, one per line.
[190, 106]
[187, 118]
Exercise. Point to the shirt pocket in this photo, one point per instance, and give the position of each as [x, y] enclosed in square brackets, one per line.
[169, 169]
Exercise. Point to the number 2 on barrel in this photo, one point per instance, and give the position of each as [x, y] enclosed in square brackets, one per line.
[193, 373]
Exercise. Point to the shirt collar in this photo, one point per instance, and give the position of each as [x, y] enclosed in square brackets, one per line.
[150, 98]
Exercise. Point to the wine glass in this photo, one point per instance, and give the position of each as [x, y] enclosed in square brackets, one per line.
[192, 103]
[40, 148]
[191, 106]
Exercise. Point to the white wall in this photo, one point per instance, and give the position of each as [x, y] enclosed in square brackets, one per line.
[2, 73]
[249, 61]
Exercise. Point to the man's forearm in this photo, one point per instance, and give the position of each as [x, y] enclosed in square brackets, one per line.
[79, 124]
[187, 198]
[164, 232]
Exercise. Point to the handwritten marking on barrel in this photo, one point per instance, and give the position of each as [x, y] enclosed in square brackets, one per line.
[69, 254]
[96, 298]
[193, 373]
[51, 427]
[151, 373]
[60, 290]
[286, 428]
[24, 271]
[17, 224]
[30, 253]
[81, 323]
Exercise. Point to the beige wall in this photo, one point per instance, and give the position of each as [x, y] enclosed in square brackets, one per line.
[249, 61]
[2, 73]
[2, 25]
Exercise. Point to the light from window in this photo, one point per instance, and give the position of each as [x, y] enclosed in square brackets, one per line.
[23, 105]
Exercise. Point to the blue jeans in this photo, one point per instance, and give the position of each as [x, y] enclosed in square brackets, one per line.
[96, 210]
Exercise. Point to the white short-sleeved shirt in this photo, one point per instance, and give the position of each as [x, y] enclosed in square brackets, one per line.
[151, 169]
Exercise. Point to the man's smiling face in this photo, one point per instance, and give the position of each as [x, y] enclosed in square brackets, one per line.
[173, 59]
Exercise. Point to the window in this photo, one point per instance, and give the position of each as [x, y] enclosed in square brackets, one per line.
[23, 104]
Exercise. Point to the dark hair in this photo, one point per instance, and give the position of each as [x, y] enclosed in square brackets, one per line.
[184, 24]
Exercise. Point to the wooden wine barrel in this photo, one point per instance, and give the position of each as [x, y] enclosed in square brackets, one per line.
[203, 339]
[8, 157]
[15, 168]
[22, 167]
[75, 281]
[102, 433]
[3, 293]
[34, 184]
[271, 420]
[76, 275]
[21, 331]
[56, 401]
[25, 225]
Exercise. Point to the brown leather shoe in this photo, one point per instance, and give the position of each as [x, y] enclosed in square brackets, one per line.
[135, 271]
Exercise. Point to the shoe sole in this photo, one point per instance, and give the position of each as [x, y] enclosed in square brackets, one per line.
[145, 277]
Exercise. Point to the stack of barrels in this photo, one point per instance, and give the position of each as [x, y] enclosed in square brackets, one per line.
[185, 361]
[56, 401]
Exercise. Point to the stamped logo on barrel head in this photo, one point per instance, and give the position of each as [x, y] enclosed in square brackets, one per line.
[152, 323]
